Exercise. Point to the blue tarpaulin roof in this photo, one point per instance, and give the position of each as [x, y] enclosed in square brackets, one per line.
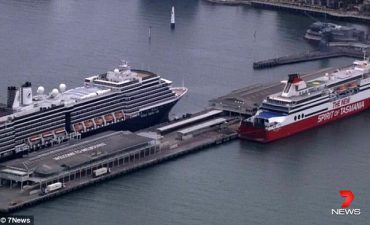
[267, 115]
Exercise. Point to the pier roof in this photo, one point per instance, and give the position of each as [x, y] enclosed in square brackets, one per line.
[78, 154]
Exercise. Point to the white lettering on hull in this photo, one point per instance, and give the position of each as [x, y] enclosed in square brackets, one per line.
[341, 111]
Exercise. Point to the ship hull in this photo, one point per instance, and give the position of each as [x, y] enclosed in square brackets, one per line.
[144, 120]
[248, 131]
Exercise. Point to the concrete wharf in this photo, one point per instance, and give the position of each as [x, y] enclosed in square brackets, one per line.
[309, 56]
[23, 181]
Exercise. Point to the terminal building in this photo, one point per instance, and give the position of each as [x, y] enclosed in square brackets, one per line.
[76, 160]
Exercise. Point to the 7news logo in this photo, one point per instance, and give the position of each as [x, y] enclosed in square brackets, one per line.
[345, 210]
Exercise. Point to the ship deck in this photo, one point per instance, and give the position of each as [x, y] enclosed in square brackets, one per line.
[144, 74]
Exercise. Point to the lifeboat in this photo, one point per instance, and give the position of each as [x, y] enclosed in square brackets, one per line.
[109, 118]
[48, 135]
[119, 115]
[35, 138]
[78, 127]
[340, 89]
[89, 124]
[352, 85]
[60, 131]
[99, 121]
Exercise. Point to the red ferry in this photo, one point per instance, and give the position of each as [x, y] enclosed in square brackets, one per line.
[304, 105]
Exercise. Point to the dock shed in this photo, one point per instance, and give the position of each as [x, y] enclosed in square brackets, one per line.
[187, 122]
[197, 129]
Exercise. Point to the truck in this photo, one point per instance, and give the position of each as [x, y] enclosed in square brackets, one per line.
[100, 172]
[53, 187]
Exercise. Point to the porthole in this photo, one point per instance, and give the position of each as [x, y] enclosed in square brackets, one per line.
[299, 116]
[295, 117]
[302, 115]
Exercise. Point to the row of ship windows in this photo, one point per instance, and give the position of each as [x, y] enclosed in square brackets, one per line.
[162, 89]
[39, 129]
[109, 103]
[156, 95]
[145, 89]
[30, 121]
[6, 148]
[138, 86]
[80, 118]
[99, 112]
[130, 84]
[6, 135]
[7, 143]
[7, 132]
[9, 137]
[152, 99]
[275, 108]
[110, 110]
[6, 128]
[89, 110]
[35, 123]
[120, 97]
[156, 102]
[298, 117]
[40, 115]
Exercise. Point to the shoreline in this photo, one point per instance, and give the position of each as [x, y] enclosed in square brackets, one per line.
[330, 13]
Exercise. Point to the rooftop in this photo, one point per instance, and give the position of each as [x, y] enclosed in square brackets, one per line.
[201, 126]
[188, 121]
[74, 155]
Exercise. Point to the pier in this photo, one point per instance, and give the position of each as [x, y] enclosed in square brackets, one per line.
[309, 56]
[296, 8]
[23, 181]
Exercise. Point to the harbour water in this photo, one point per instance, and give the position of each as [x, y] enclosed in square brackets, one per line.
[211, 50]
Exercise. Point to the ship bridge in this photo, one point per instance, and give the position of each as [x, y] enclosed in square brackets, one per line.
[121, 78]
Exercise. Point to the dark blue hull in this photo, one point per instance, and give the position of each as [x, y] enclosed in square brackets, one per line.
[146, 119]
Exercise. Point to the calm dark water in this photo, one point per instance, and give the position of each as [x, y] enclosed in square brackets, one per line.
[292, 181]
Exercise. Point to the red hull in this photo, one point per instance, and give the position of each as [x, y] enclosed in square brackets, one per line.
[250, 132]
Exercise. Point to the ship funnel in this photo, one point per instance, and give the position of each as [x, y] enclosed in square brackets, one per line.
[12, 94]
[293, 86]
[26, 93]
